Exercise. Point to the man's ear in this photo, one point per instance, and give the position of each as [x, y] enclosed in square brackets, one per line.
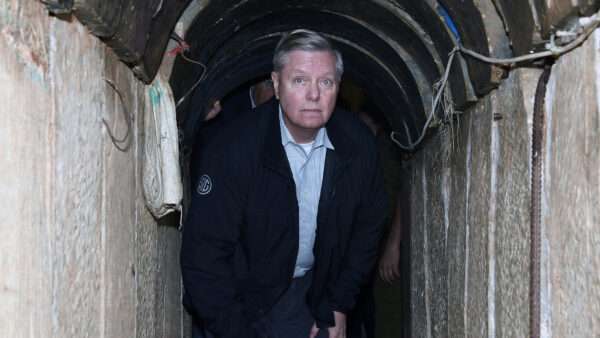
[275, 78]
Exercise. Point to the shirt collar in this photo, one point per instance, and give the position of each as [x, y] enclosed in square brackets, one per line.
[286, 137]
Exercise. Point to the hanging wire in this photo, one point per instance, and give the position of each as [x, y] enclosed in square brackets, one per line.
[126, 115]
[440, 90]
[553, 49]
[587, 27]
[182, 48]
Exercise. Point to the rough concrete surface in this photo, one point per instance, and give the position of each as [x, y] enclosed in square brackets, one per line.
[478, 220]
[25, 232]
[512, 216]
[78, 251]
[571, 214]
[459, 169]
[483, 268]
[420, 292]
[436, 237]
[478, 277]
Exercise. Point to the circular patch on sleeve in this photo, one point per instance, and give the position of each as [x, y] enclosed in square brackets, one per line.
[204, 185]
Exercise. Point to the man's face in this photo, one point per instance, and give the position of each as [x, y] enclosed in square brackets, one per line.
[307, 90]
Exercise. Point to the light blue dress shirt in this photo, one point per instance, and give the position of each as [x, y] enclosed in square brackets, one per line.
[307, 162]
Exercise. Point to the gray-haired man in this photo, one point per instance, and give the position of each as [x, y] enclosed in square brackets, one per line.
[286, 217]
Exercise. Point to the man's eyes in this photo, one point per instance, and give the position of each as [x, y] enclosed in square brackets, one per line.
[326, 83]
[299, 80]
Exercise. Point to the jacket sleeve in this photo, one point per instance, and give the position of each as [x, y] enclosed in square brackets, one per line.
[210, 238]
[361, 253]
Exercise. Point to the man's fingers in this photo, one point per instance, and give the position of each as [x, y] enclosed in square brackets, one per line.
[396, 273]
[383, 274]
[313, 331]
[390, 275]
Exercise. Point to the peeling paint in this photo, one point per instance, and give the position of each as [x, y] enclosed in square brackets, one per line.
[34, 62]
[155, 96]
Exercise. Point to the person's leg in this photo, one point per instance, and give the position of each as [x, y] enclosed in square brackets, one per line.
[290, 317]
[369, 312]
[354, 321]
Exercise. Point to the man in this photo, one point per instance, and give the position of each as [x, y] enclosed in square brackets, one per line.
[284, 223]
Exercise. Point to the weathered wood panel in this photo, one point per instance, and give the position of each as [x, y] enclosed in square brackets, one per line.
[458, 198]
[512, 203]
[572, 194]
[78, 250]
[25, 186]
[119, 190]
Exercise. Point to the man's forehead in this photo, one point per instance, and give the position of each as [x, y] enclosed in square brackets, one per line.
[310, 61]
[302, 71]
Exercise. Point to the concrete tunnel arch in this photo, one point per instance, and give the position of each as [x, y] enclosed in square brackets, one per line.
[396, 51]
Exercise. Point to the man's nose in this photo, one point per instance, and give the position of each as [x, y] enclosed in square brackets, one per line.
[313, 93]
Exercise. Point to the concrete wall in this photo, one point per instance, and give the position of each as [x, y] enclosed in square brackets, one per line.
[471, 203]
[79, 254]
[571, 198]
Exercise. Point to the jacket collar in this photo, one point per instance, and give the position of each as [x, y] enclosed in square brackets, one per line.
[321, 139]
[274, 154]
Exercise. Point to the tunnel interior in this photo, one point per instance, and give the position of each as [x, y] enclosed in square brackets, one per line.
[396, 55]
[395, 51]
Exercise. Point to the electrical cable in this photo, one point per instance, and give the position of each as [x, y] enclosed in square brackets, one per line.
[553, 49]
[181, 49]
[588, 26]
[126, 115]
[412, 145]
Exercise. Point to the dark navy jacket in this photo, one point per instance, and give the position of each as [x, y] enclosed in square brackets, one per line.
[240, 240]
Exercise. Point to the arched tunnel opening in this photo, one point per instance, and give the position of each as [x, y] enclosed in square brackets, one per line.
[394, 54]
[397, 54]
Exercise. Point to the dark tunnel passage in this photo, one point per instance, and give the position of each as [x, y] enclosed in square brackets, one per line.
[394, 53]
[398, 53]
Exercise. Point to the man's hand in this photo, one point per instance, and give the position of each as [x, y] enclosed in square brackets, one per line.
[338, 331]
[215, 109]
[389, 263]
